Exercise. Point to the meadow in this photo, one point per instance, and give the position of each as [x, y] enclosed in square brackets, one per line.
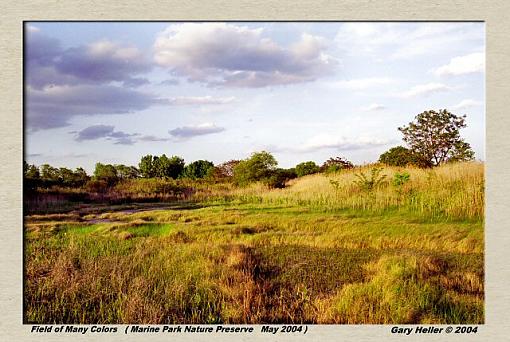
[327, 249]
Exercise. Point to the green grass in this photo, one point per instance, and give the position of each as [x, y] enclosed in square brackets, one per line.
[275, 259]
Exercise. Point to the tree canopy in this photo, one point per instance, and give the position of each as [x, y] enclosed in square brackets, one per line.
[399, 156]
[161, 167]
[336, 164]
[306, 168]
[198, 169]
[435, 138]
[258, 167]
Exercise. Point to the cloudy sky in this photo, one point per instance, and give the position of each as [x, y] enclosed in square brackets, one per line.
[113, 92]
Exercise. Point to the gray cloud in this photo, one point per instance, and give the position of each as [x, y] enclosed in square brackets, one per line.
[61, 84]
[135, 82]
[199, 100]
[53, 107]
[94, 132]
[108, 132]
[103, 61]
[220, 54]
[99, 62]
[41, 49]
[193, 131]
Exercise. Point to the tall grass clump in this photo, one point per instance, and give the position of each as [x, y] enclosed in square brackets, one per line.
[405, 289]
[452, 191]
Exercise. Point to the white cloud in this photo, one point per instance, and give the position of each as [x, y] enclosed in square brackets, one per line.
[362, 83]
[200, 100]
[468, 64]
[468, 103]
[221, 54]
[32, 29]
[406, 40]
[373, 107]
[334, 142]
[425, 90]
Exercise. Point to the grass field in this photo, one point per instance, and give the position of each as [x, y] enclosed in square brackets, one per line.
[322, 250]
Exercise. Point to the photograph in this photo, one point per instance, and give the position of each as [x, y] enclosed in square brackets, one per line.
[254, 172]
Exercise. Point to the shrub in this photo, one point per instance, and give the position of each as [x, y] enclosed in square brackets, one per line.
[335, 165]
[306, 168]
[400, 179]
[397, 156]
[96, 185]
[370, 183]
[259, 166]
[279, 177]
[197, 169]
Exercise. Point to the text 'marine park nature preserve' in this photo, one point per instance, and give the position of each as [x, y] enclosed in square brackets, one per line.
[254, 172]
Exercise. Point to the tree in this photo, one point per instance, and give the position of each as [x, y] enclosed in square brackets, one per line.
[126, 172]
[161, 167]
[335, 165]
[306, 168]
[106, 173]
[258, 167]
[65, 176]
[172, 167]
[434, 137]
[80, 177]
[31, 176]
[49, 174]
[198, 169]
[30, 171]
[399, 156]
[279, 177]
[224, 171]
[146, 166]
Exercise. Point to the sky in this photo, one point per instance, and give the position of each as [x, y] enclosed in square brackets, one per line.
[112, 92]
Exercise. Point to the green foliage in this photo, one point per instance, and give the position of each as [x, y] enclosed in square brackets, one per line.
[96, 186]
[106, 173]
[279, 177]
[127, 172]
[31, 176]
[435, 138]
[174, 167]
[161, 167]
[223, 172]
[198, 169]
[336, 164]
[400, 178]
[370, 182]
[306, 168]
[259, 166]
[397, 156]
[30, 171]
[49, 174]
[335, 184]
[146, 166]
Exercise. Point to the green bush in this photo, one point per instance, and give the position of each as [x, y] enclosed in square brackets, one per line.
[306, 168]
[372, 181]
[336, 164]
[258, 167]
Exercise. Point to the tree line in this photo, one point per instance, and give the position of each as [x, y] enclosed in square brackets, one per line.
[432, 139]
